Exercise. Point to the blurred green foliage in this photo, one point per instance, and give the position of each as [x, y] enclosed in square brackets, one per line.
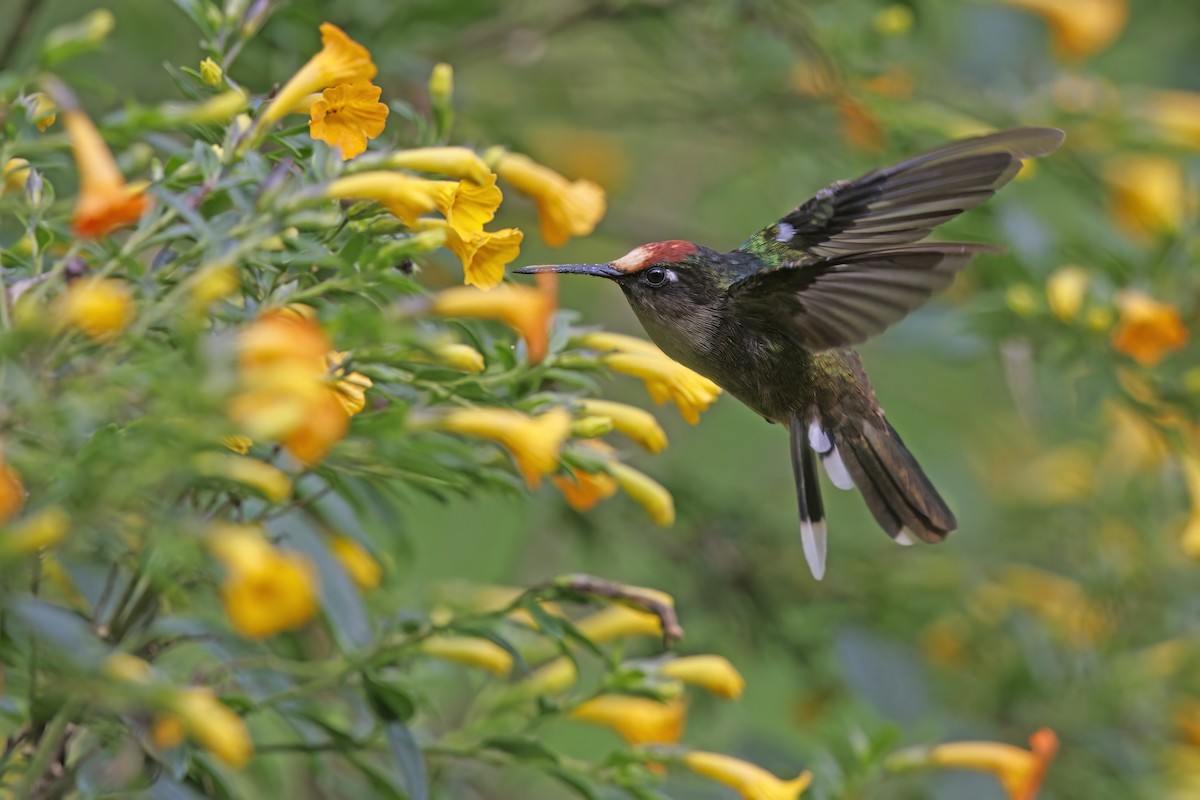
[1068, 597]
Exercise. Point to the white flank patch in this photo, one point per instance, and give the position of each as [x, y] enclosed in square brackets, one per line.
[817, 438]
[905, 537]
[632, 261]
[786, 232]
[812, 536]
[835, 468]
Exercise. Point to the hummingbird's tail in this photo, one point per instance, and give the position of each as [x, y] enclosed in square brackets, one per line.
[870, 455]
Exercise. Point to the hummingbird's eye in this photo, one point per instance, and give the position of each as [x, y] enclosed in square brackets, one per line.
[656, 276]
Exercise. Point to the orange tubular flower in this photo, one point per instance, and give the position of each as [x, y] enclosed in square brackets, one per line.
[638, 720]
[267, 590]
[12, 492]
[1147, 329]
[1021, 772]
[347, 116]
[106, 202]
[341, 60]
[583, 490]
[750, 781]
[526, 310]
[565, 208]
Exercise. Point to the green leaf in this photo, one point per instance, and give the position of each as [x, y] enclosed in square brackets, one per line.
[408, 758]
[65, 631]
[389, 702]
[582, 786]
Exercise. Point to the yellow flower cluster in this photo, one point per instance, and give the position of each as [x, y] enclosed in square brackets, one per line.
[294, 387]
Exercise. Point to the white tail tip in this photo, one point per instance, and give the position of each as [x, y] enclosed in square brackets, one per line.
[812, 536]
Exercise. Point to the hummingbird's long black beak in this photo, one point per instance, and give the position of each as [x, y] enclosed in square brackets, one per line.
[599, 270]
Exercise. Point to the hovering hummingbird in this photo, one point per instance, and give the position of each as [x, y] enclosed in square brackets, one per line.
[773, 321]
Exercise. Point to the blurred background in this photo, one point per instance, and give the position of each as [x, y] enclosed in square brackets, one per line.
[1068, 598]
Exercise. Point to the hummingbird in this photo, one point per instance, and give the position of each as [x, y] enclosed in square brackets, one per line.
[774, 322]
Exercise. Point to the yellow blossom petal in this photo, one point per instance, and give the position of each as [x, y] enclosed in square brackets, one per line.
[565, 208]
[213, 725]
[471, 651]
[533, 441]
[647, 492]
[1176, 115]
[471, 206]
[324, 425]
[347, 116]
[583, 490]
[1147, 329]
[16, 175]
[638, 720]
[749, 780]
[1066, 290]
[618, 622]
[214, 282]
[100, 307]
[714, 673]
[636, 423]
[1079, 28]
[522, 308]
[267, 590]
[485, 254]
[45, 112]
[459, 356]
[550, 678]
[269, 480]
[457, 162]
[105, 202]
[359, 564]
[1020, 771]
[403, 195]
[341, 60]
[37, 532]
[1149, 193]
[351, 387]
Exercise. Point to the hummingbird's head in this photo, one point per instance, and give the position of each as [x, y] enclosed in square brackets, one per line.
[674, 288]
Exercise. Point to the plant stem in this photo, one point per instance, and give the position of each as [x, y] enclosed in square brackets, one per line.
[47, 745]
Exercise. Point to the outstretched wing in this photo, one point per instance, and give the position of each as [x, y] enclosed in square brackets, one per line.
[902, 203]
[844, 265]
[844, 301]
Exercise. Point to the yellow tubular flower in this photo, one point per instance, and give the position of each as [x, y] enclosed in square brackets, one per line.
[12, 491]
[267, 590]
[1147, 329]
[618, 622]
[457, 162]
[636, 423]
[1079, 28]
[471, 651]
[270, 481]
[347, 116]
[211, 73]
[105, 202]
[550, 678]
[638, 720]
[665, 380]
[1176, 115]
[127, 668]
[45, 112]
[522, 308]
[100, 307]
[1149, 194]
[459, 356]
[214, 282]
[351, 387]
[237, 443]
[341, 60]
[37, 532]
[16, 175]
[714, 673]
[647, 492]
[565, 208]
[534, 442]
[750, 781]
[470, 206]
[1020, 771]
[441, 84]
[359, 564]
[485, 254]
[403, 195]
[1190, 540]
[213, 725]
[324, 426]
[1066, 290]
